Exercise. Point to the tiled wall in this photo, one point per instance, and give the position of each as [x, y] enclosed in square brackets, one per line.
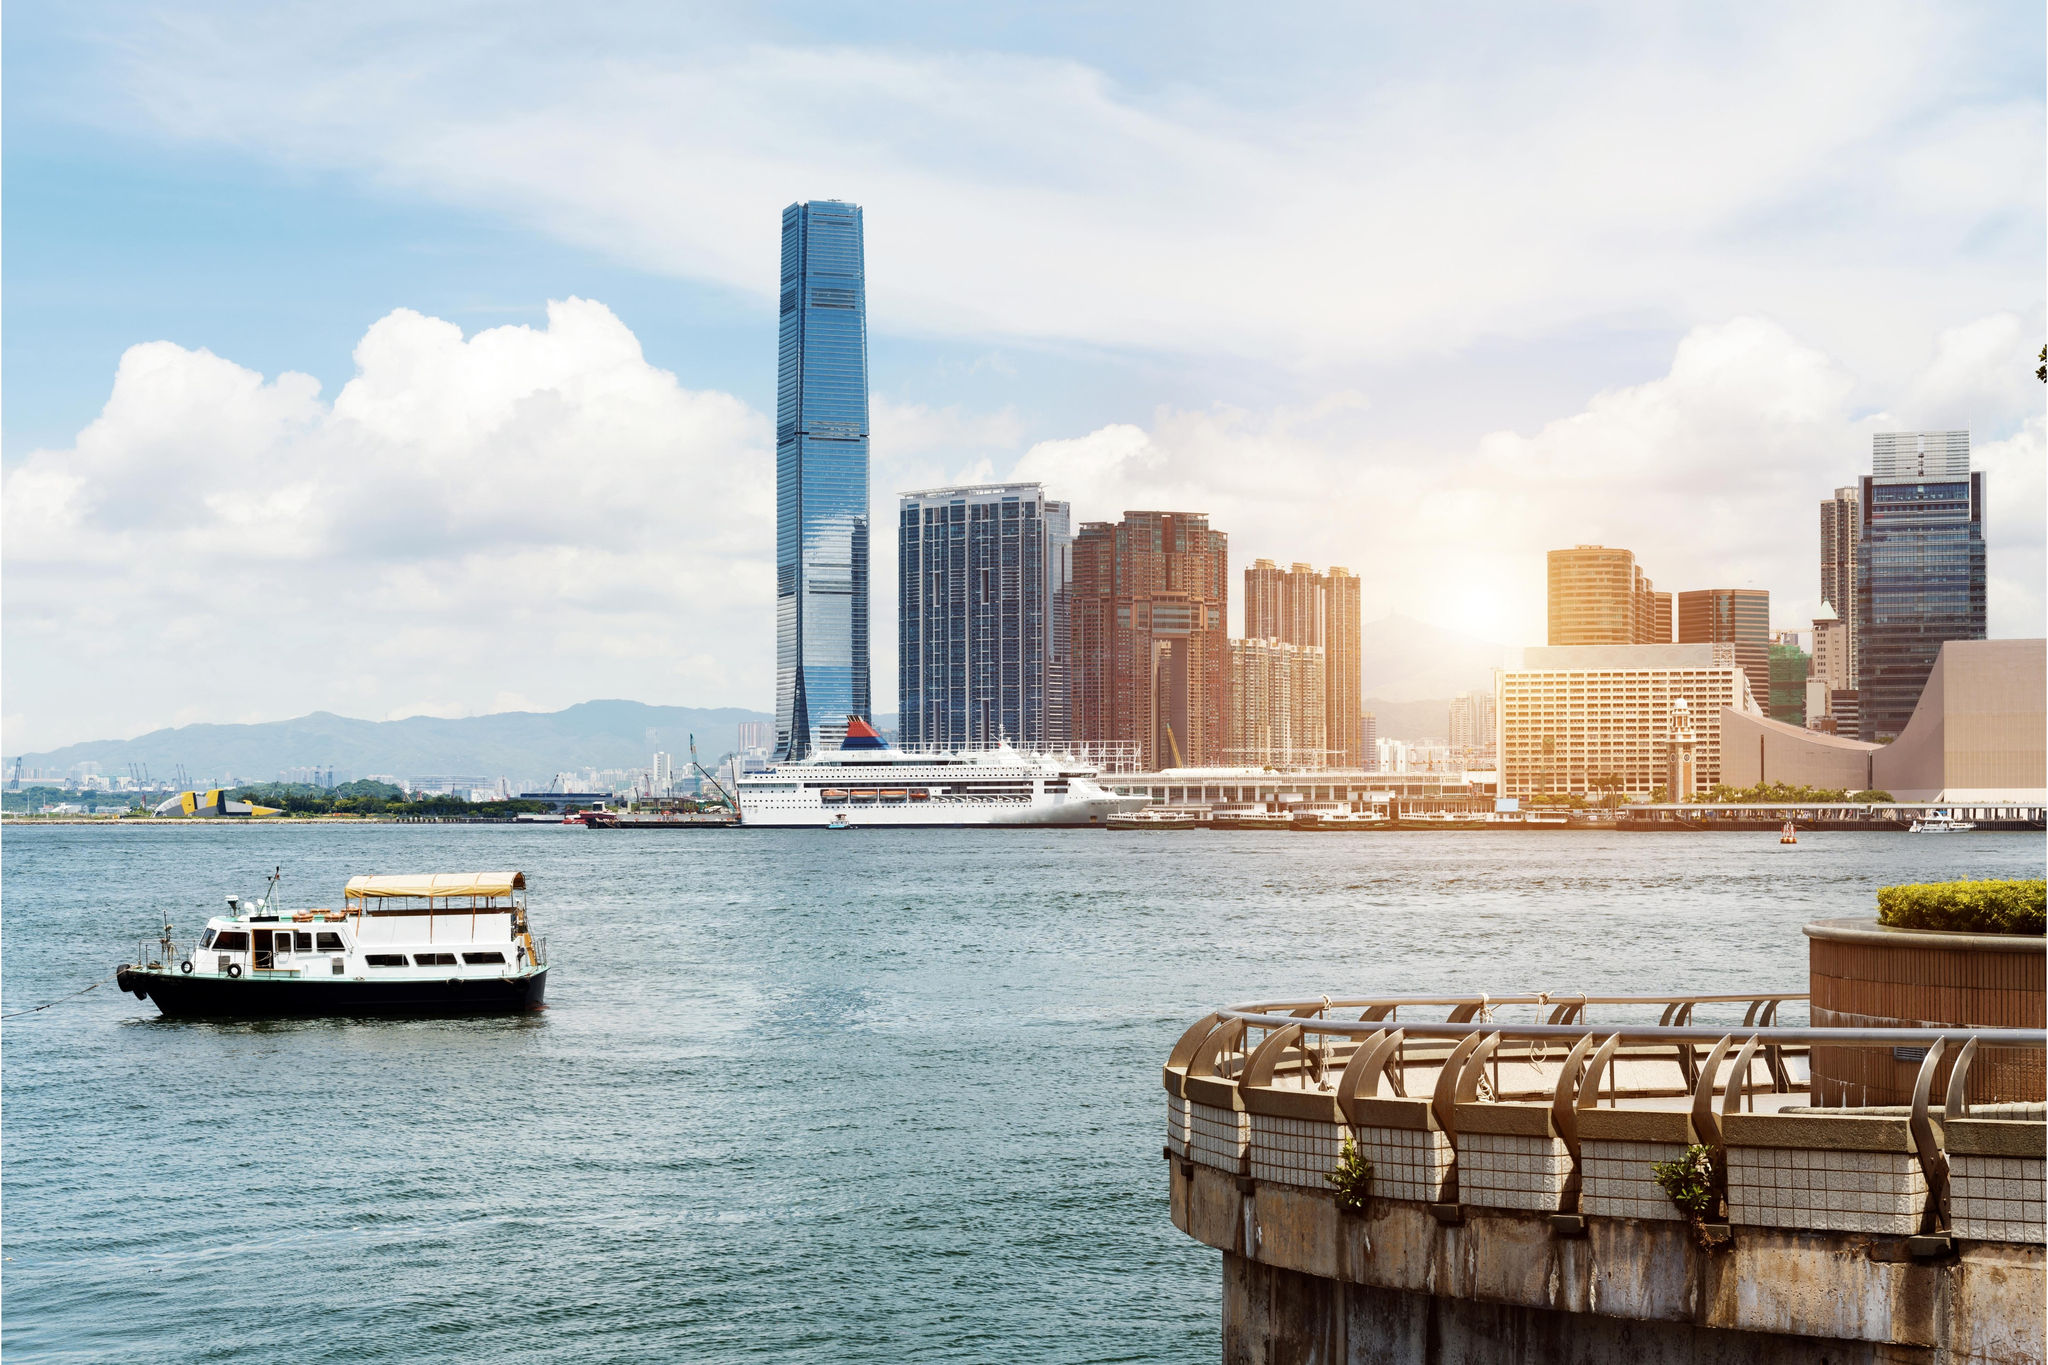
[1217, 1137]
[1996, 1198]
[1406, 1163]
[1296, 1151]
[1177, 1123]
[1616, 1180]
[1873, 1192]
[1511, 1171]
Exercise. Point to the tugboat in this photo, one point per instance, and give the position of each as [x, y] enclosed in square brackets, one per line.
[435, 943]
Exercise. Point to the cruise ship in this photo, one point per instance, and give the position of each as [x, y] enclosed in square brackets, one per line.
[866, 783]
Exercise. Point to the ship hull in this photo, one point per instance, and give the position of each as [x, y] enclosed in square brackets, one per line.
[198, 996]
[1070, 815]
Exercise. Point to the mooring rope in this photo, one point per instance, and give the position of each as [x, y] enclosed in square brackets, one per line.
[61, 999]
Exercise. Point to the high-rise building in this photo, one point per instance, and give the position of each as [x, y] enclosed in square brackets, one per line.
[1839, 526]
[1791, 666]
[1298, 606]
[1599, 596]
[979, 573]
[1276, 705]
[1471, 721]
[1590, 719]
[1343, 667]
[1369, 741]
[1920, 570]
[1826, 671]
[1731, 616]
[821, 479]
[1150, 661]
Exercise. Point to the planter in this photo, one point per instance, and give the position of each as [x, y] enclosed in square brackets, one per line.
[1866, 975]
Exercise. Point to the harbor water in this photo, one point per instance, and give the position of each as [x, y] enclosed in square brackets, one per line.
[797, 1095]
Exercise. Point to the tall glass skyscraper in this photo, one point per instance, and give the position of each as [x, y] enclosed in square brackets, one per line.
[821, 479]
[982, 575]
[1920, 570]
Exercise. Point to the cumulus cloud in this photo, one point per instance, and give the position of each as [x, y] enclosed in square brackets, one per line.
[538, 516]
[536, 509]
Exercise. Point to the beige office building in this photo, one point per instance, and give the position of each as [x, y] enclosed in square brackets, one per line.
[1600, 596]
[1573, 719]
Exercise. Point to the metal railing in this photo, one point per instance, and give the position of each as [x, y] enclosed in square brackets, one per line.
[1255, 1045]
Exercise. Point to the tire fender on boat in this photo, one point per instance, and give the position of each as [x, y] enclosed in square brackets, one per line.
[186, 966]
[234, 969]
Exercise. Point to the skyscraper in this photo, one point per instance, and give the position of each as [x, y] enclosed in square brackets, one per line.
[1920, 569]
[821, 479]
[1599, 596]
[1343, 667]
[981, 582]
[1150, 661]
[1298, 606]
[1276, 705]
[1732, 616]
[1839, 526]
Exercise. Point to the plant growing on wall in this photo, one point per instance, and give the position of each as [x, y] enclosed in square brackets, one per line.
[1694, 1186]
[1353, 1178]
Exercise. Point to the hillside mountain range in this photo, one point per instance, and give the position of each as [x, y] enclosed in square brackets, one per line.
[527, 746]
[1411, 669]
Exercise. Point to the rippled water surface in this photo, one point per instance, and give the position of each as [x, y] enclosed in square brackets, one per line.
[797, 1094]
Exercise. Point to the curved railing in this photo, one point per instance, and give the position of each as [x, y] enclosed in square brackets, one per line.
[1297, 1062]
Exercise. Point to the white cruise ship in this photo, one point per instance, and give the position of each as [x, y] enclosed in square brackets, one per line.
[867, 783]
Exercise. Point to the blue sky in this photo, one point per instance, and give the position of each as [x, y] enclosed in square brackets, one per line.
[1422, 292]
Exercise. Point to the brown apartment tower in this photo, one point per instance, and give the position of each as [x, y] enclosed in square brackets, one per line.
[1150, 658]
[1599, 596]
[1298, 606]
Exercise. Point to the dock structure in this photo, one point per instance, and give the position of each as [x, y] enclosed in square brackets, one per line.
[1841, 815]
[1515, 1209]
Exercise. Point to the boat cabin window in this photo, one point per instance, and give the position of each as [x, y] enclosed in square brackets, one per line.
[206, 939]
[302, 943]
[386, 959]
[331, 943]
[433, 959]
[480, 959]
[232, 941]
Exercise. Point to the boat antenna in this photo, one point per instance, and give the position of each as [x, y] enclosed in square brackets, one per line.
[270, 890]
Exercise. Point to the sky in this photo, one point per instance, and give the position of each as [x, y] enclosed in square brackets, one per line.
[394, 359]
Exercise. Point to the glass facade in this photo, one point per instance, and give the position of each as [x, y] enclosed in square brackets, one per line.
[1920, 578]
[982, 575]
[821, 479]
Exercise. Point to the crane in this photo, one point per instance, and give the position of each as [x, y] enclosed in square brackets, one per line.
[723, 794]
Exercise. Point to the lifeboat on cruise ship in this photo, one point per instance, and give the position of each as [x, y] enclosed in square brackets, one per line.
[894, 794]
[834, 793]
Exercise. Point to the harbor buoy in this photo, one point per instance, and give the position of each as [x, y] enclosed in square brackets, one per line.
[1788, 836]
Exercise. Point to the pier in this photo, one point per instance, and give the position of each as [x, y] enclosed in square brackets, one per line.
[1513, 1209]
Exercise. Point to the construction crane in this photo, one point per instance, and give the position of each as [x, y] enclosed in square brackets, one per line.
[1174, 744]
[724, 795]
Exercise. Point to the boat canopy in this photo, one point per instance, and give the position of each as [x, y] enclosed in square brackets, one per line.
[437, 886]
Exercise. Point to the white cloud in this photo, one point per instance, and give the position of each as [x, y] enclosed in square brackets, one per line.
[1844, 168]
[529, 508]
[538, 516]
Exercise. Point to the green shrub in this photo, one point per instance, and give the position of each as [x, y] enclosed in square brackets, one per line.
[1353, 1178]
[2016, 907]
[1689, 1181]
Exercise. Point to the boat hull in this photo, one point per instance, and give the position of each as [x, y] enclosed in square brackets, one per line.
[208, 996]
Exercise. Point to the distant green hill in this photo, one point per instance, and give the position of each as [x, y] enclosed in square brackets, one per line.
[528, 746]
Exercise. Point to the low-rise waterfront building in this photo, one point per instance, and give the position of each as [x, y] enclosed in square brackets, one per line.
[1394, 793]
[1584, 719]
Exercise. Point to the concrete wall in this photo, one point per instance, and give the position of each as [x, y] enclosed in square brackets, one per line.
[1979, 734]
[1303, 1282]
[1758, 749]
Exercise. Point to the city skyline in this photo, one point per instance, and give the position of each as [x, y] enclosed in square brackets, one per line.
[353, 433]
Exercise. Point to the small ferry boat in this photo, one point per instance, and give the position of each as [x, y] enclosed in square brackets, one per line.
[1154, 818]
[1334, 818]
[1250, 817]
[1941, 822]
[436, 943]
